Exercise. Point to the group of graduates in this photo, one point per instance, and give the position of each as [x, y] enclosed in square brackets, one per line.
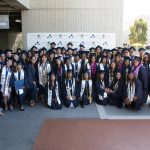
[70, 77]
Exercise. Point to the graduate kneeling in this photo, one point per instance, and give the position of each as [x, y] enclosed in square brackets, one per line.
[101, 89]
[53, 95]
[70, 91]
[133, 92]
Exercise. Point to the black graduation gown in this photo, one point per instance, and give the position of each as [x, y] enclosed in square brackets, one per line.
[143, 77]
[138, 93]
[117, 97]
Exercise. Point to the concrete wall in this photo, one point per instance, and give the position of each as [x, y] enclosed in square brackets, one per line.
[73, 16]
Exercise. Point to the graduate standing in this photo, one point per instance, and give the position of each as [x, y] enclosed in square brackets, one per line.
[20, 76]
[6, 84]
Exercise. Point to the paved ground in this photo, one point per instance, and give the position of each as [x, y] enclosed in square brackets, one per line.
[18, 130]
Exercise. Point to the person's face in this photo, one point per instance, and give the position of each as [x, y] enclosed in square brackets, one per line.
[58, 51]
[58, 62]
[98, 50]
[77, 58]
[36, 56]
[135, 63]
[53, 46]
[9, 63]
[118, 58]
[16, 57]
[53, 77]
[9, 54]
[131, 76]
[127, 63]
[101, 76]
[3, 57]
[33, 60]
[68, 61]
[44, 59]
[131, 52]
[118, 76]
[93, 59]
[24, 56]
[146, 58]
[86, 76]
[126, 53]
[19, 67]
[141, 53]
[51, 56]
[70, 52]
[104, 60]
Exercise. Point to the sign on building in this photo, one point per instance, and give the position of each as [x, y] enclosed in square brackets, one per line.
[106, 40]
[4, 21]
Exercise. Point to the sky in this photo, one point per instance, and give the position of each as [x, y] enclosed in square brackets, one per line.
[134, 8]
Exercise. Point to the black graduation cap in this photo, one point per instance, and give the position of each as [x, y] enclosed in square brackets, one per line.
[67, 57]
[92, 48]
[104, 57]
[130, 71]
[58, 58]
[43, 49]
[81, 45]
[92, 54]
[84, 52]
[118, 54]
[19, 63]
[127, 58]
[132, 48]
[69, 49]
[74, 49]
[125, 50]
[53, 43]
[147, 54]
[86, 72]
[52, 73]
[51, 52]
[70, 43]
[1, 52]
[98, 47]
[63, 48]
[59, 48]
[33, 47]
[8, 50]
[77, 54]
[24, 52]
[9, 59]
[141, 49]
[114, 50]
[137, 58]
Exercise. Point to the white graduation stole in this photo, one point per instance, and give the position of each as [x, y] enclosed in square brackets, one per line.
[50, 95]
[20, 91]
[43, 73]
[131, 91]
[5, 81]
[83, 87]
[70, 67]
[105, 94]
[68, 89]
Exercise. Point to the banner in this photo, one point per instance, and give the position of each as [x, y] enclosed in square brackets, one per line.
[106, 40]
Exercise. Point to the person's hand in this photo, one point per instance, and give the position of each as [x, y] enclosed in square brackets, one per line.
[127, 101]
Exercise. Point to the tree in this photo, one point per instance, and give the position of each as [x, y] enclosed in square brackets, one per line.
[138, 32]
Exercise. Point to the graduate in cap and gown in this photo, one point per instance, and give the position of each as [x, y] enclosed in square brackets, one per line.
[44, 69]
[77, 67]
[126, 67]
[133, 92]
[20, 75]
[70, 91]
[115, 93]
[53, 93]
[6, 83]
[101, 89]
[141, 73]
[86, 90]
[32, 74]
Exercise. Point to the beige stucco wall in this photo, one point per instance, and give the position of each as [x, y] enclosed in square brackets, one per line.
[73, 16]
